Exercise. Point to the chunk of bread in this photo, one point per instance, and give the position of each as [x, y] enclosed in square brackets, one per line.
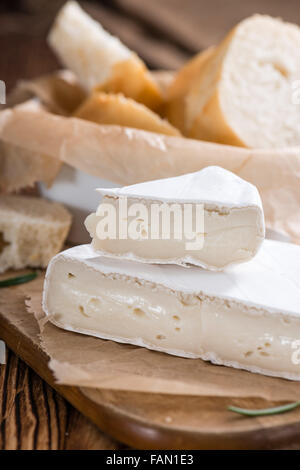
[180, 86]
[244, 92]
[100, 60]
[32, 231]
[104, 108]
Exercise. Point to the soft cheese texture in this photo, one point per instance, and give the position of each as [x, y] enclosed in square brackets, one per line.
[246, 317]
[233, 220]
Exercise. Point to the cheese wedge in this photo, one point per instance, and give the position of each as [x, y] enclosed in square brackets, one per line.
[247, 317]
[232, 226]
[100, 60]
[106, 108]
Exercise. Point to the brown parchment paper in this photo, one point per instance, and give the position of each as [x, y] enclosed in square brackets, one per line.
[85, 361]
[126, 156]
[61, 93]
[20, 168]
[58, 92]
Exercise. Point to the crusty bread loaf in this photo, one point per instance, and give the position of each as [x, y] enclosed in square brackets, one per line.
[100, 60]
[32, 231]
[243, 94]
[174, 108]
[104, 108]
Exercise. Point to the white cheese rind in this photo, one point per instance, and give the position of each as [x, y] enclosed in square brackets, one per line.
[213, 186]
[233, 220]
[247, 317]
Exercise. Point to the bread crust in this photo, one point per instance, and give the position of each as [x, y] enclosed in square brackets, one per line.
[174, 108]
[207, 117]
[99, 60]
[133, 79]
[210, 124]
[112, 109]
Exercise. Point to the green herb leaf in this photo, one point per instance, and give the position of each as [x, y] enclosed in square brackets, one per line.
[18, 280]
[265, 411]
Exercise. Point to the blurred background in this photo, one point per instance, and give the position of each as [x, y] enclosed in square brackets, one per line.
[165, 33]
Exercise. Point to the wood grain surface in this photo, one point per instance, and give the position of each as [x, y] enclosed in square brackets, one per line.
[34, 416]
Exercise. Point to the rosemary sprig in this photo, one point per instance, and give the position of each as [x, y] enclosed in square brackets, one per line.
[18, 280]
[265, 411]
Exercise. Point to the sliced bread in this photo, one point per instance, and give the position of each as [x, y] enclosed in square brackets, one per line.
[100, 60]
[32, 231]
[243, 94]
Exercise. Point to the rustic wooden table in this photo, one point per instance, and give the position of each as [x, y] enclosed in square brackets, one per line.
[34, 416]
[165, 34]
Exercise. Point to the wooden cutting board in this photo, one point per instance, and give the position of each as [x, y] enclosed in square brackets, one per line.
[148, 421]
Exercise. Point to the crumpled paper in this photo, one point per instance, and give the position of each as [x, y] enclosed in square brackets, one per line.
[20, 168]
[127, 156]
[86, 361]
[58, 92]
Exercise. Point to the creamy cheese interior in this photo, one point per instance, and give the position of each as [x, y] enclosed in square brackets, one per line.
[230, 236]
[126, 309]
